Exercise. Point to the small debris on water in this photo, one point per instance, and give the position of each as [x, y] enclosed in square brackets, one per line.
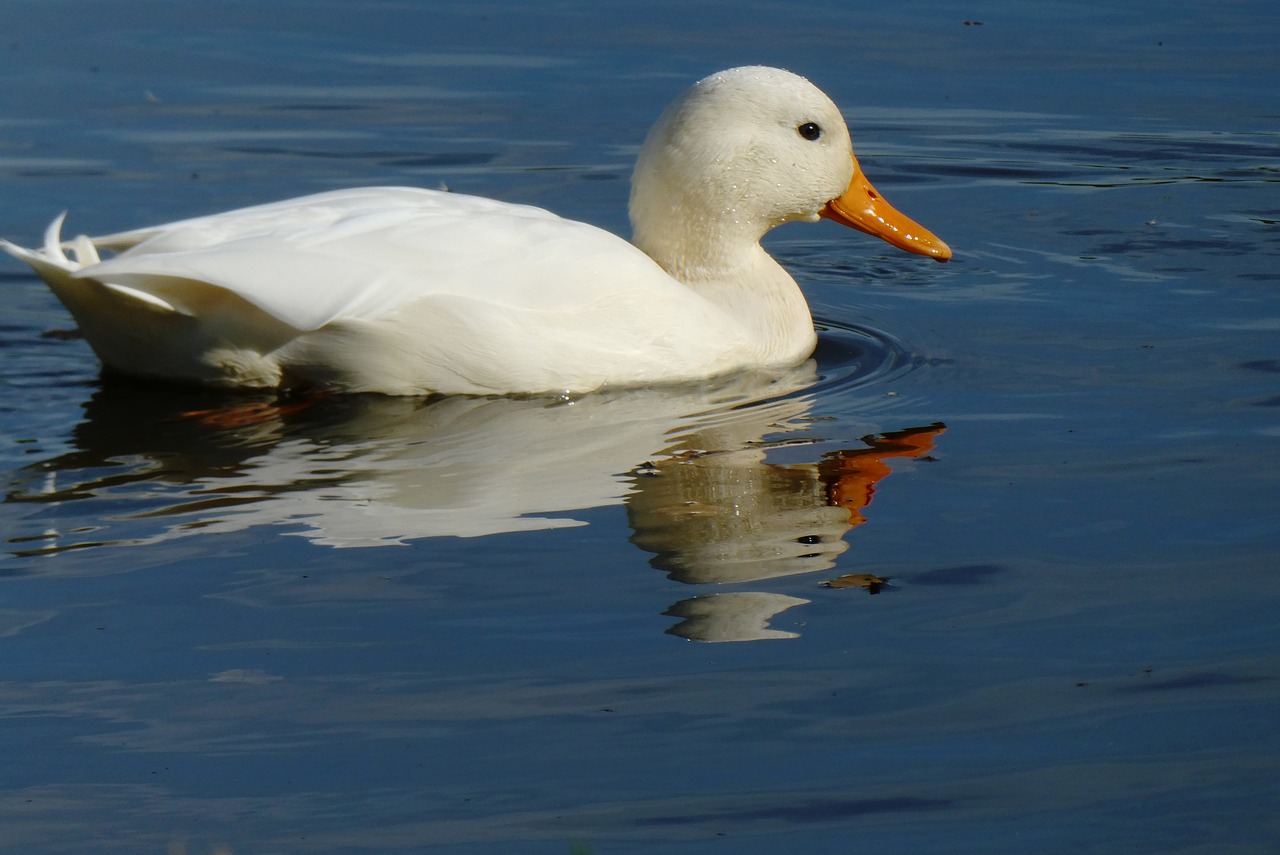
[871, 582]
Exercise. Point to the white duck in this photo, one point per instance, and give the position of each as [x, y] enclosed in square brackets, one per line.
[406, 291]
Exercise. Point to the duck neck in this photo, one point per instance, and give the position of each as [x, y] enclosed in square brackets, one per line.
[721, 259]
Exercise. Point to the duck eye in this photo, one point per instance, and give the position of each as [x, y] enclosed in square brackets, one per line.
[809, 131]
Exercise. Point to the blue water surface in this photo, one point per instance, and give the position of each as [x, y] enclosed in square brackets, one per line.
[601, 625]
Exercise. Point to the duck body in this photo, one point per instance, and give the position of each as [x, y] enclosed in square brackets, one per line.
[408, 291]
[329, 291]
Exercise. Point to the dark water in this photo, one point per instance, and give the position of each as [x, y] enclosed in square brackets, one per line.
[525, 626]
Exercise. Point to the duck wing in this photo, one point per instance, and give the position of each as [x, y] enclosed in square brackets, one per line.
[363, 253]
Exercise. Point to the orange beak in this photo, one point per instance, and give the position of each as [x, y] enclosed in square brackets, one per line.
[861, 207]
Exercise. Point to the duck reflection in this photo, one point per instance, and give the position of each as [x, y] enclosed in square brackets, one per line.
[731, 516]
[690, 466]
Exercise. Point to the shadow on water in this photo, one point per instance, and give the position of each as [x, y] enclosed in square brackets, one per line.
[691, 466]
[811, 810]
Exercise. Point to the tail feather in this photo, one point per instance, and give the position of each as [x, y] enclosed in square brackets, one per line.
[50, 261]
[61, 271]
[53, 241]
[206, 333]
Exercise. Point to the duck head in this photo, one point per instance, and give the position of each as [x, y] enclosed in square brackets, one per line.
[746, 150]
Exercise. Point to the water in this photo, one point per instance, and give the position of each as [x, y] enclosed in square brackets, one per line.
[599, 625]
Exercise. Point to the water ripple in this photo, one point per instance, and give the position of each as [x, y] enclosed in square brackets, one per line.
[851, 356]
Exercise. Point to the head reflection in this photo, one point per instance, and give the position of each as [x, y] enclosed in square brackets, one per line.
[732, 517]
